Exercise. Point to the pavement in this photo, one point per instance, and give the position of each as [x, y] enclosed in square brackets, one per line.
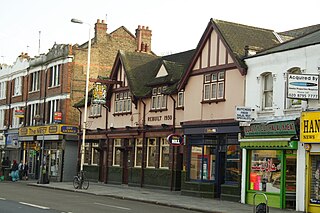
[158, 197]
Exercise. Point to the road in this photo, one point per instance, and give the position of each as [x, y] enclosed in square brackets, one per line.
[16, 197]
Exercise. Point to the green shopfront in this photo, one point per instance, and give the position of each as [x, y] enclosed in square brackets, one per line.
[270, 159]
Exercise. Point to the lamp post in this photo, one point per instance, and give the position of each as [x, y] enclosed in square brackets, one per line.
[38, 119]
[77, 21]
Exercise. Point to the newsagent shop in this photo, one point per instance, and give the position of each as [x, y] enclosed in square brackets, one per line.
[270, 163]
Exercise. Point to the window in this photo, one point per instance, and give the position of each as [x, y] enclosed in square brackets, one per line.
[53, 107]
[202, 163]
[123, 102]
[2, 113]
[267, 91]
[151, 152]
[17, 118]
[265, 170]
[116, 152]
[180, 99]
[164, 153]
[95, 110]
[233, 164]
[55, 75]
[158, 99]
[294, 103]
[138, 152]
[213, 88]
[33, 110]
[92, 154]
[3, 89]
[35, 81]
[17, 86]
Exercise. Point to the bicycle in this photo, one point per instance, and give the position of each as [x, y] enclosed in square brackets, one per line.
[80, 181]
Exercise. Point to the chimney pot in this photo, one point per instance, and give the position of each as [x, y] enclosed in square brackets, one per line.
[102, 21]
[147, 28]
[98, 20]
[143, 27]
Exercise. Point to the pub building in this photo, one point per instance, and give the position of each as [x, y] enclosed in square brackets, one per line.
[270, 153]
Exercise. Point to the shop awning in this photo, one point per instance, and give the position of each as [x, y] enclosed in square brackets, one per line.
[270, 143]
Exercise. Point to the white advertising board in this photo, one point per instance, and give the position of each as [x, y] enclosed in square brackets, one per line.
[303, 86]
[244, 113]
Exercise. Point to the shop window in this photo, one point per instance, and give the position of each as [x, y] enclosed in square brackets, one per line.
[315, 179]
[164, 153]
[202, 164]
[138, 152]
[116, 152]
[233, 164]
[267, 93]
[151, 152]
[213, 88]
[265, 170]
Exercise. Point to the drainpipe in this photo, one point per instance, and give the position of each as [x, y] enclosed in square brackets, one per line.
[143, 143]
[173, 147]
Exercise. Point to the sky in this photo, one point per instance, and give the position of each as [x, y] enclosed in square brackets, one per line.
[177, 25]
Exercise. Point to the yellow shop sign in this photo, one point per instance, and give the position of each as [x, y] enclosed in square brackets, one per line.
[310, 127]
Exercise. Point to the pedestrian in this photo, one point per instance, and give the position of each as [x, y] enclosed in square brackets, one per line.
[14, 171]
[25, 171]
[20, 168]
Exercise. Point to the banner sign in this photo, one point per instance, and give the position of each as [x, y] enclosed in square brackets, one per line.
[277, 128]
[19, 113]
[48, 130]
[301, 86]
[99, 93]
[310, 127]
[57, 117]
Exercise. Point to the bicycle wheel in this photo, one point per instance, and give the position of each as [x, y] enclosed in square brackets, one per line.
[76, 182]
[85, 184]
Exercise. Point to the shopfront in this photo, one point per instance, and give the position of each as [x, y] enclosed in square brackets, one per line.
[212, 162]
[60, 150]
[271, 163]
[310, 137]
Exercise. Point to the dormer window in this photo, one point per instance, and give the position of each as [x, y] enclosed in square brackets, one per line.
[159, 100]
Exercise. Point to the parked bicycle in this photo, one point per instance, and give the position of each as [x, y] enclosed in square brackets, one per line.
[80, 181]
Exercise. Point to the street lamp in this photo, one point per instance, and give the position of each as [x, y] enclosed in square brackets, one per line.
[77, 21]
[41, 178]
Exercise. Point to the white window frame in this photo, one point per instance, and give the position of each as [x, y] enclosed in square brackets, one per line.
[17, 86]
[3, 89]
[151, 144]
[2, 113]
[164, 144]
[138, 145]
[116, 147]
[55, 75]
[267, 91]
[16, 122]
[122, 103]
[54, 107]
[90, 149]
[180, 99]
[95, 110]
[158, 99]
[214, 86]
[34, 110]
[35, 81]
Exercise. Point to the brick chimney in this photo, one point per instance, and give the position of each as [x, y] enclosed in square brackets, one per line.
[100, 29]
[143, 38]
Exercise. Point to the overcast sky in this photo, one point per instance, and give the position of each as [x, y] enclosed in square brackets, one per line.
[176, 25]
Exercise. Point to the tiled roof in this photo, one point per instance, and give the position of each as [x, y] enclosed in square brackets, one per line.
[300, 31]
[238, 36]
[307, 40]
[141, 70]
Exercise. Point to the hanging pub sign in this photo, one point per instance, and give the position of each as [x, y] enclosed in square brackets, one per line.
[57, 117]
[303, 86]
[19, 113]
[175, 139]
[99, 93]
